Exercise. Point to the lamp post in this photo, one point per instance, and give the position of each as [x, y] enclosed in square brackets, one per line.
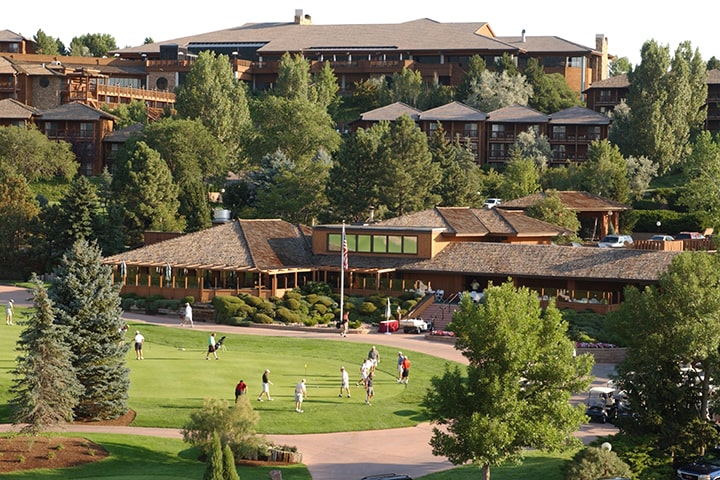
[659, 223]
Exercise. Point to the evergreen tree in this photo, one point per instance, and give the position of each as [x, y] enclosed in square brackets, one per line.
[93, 44]
[214, 467]
[144, 187]
[460, 173]
[45, 388]
[45, 44]
[229, 467]
[409, 174]
[476, 65]
[352, 187]
[87, 305]
[110, 236]
[72, 219]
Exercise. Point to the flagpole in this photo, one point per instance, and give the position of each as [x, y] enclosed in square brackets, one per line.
[343, 266]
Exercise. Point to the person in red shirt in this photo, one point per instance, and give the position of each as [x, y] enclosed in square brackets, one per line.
[240, 389]
[406, 370]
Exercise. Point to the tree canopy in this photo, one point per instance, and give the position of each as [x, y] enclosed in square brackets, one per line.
[516, 389]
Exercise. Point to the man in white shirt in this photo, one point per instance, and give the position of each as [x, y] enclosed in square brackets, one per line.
[300, 395]
[344, 382]
[187, 316]
[139, 339]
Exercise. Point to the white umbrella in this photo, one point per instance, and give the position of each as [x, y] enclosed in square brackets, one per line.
[388, 314]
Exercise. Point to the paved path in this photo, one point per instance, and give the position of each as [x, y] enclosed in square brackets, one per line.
[401, 450]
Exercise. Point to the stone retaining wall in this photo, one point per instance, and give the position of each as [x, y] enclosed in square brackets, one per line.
[605, 355]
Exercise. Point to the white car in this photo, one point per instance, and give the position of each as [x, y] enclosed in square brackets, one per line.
[615, 241]
[492, 202]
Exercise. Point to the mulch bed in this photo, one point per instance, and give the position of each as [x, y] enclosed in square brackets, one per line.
[24, 452]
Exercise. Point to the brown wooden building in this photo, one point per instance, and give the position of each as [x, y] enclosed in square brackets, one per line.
[357, 52]
[444, 249]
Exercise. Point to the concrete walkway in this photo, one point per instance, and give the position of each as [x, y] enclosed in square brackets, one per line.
[331, 456]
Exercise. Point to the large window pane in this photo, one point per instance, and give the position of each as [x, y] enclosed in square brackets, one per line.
[410, 245]
[364, 243]
[380, 244]
[394, 244]
[334, 242]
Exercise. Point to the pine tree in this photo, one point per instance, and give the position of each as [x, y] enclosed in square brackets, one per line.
[45, 387]
[88, 305]
[214, 465]
[229, 464]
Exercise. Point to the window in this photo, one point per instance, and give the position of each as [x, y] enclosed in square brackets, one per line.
[606, 95]
[162, 83]
[87, 129]
[558, 132]
[52, 129]
[576, 62]
[367, 243]
[498, 131]
[471, 130]
[593, 132]
[497, 150]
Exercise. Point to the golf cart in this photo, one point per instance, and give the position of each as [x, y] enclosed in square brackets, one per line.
[414, 325]
[601, 404]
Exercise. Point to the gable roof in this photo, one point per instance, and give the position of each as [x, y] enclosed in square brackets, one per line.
[517, 114]
[453, 112]
[244, 245]
[545, 44]
[618, 81]
[281, 37]
[465, 221]
[75, 111]
[574, 200]
[12, 109]
[122, 135]
[579, 116]
[550, 261]
[390, 113]
[10, 36]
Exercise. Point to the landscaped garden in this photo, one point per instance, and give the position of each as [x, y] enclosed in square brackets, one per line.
[174, 379]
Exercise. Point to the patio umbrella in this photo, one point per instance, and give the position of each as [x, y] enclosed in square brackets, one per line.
[388, 312]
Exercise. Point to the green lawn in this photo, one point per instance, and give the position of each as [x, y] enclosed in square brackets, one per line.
[174, 379]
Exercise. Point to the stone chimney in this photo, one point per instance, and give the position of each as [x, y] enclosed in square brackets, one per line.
[301, 19]
[601, 45]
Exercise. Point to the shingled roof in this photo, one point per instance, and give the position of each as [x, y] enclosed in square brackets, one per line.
[390, 113]
[453, 112]
[12, 109]
[259, 245]
[516, 114]
[579, 116]
[75, 111]
[465, 221]
[574, 200]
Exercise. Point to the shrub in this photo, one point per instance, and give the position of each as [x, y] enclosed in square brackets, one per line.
[127, 303]
[312, 298]
[319, 308]
[592, 463]
[293, 296]
[262, 318]
[367, 308]
[320, 288]
[252, 300]
[188, 299]
[267, 308]
[326, 301]
[287, 316]
[227, 307]
[292, 304]
[234, 424]
[310, 321]
[152, 307]
[408, 305]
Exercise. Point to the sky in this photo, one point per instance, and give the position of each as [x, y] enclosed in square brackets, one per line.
[626, 24]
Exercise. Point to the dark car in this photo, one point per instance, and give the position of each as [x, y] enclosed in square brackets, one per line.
[704, 468]
[387, 476]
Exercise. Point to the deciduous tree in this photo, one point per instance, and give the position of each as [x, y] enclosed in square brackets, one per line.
[19, 213]
[92, 45]
[493, 90]
[28, 152]
[515, 392]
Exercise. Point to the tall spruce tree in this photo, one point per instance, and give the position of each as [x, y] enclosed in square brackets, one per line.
[87, 304]
[45, 386]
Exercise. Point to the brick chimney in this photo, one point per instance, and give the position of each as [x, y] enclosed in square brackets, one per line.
[601, 45]
[301, 19]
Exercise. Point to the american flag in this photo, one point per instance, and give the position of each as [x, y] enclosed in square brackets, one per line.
[344, 250]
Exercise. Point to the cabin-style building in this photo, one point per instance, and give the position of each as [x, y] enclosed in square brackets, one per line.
[441, 250]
